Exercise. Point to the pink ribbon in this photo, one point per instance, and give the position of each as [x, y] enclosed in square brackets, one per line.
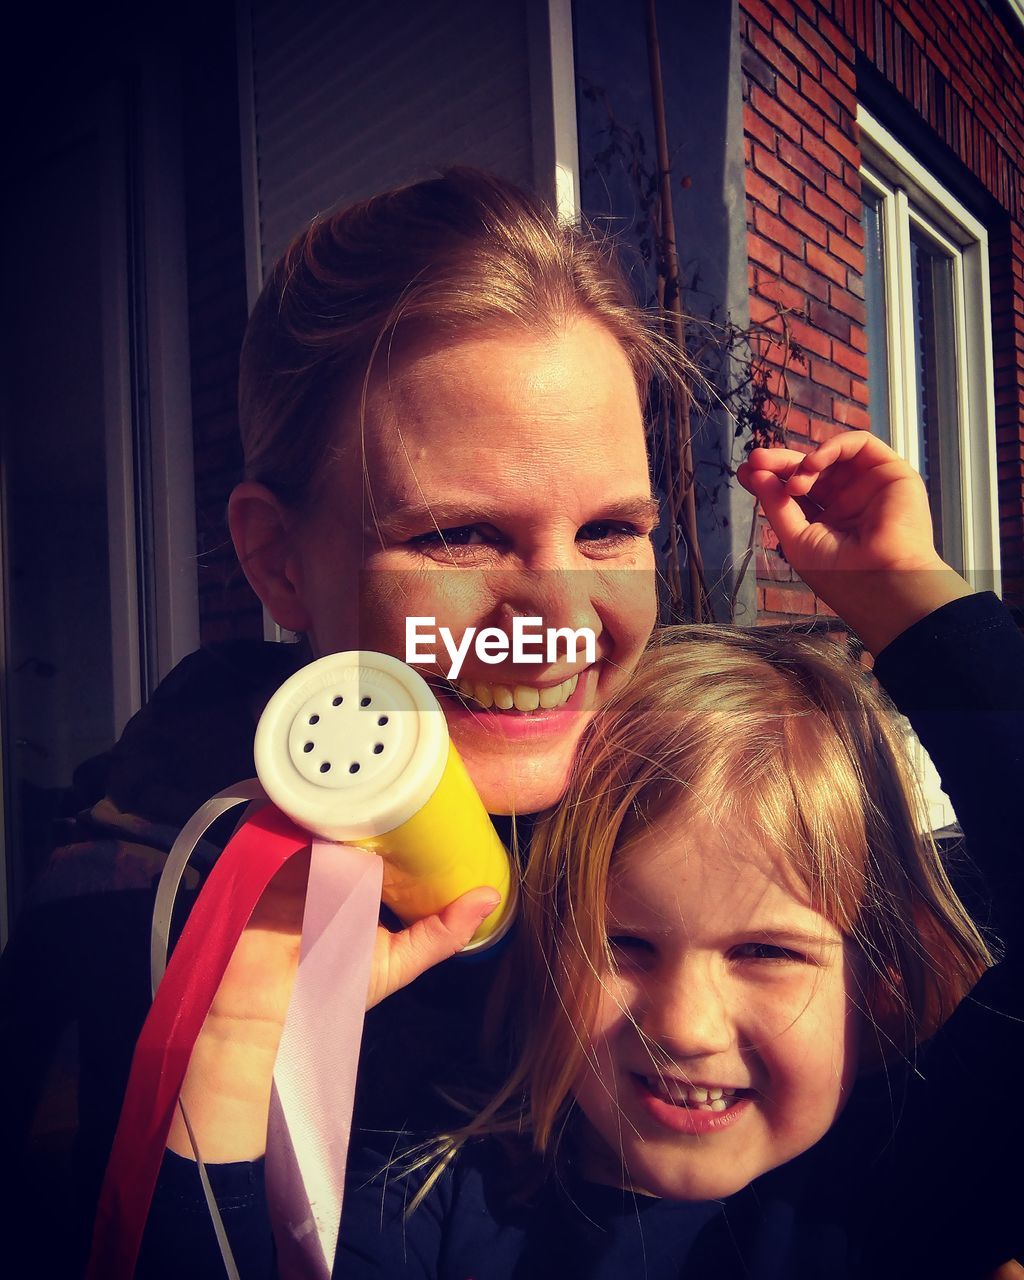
[314, 1075]
[315, 1072]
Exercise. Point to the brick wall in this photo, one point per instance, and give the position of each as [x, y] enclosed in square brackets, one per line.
[959, 68]
[217, 316]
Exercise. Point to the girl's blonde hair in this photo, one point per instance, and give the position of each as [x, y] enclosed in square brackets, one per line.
[466, 252]
[779, 731]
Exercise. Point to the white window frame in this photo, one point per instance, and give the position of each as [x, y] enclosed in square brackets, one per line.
[912, 197]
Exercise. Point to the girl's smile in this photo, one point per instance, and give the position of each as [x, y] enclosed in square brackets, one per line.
[725, 1041]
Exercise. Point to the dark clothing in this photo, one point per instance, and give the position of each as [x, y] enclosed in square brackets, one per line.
[921, 1175]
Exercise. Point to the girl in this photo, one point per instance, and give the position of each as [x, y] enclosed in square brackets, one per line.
[737, 1008]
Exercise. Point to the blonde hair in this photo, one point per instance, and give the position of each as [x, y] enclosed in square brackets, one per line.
[788, 734]
[465, 252]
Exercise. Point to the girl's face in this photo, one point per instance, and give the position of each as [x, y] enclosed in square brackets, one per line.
[504, 475]
[726, 1043]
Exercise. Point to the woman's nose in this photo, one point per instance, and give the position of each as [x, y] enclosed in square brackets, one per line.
[561, 598]
[689, 1015]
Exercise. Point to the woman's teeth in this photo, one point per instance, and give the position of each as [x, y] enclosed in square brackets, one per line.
[518, 697]
[693, 1096]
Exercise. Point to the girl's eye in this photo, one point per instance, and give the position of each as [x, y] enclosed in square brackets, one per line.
[630, 951]
[770, 952]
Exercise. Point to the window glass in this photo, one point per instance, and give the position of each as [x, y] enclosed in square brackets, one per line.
[877, 329]
[935, 385]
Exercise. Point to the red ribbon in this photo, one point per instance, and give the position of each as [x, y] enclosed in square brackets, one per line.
[249, 862]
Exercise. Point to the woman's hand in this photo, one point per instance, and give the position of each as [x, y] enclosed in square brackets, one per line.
[400, 957]
[853, 520]
[227, 1087]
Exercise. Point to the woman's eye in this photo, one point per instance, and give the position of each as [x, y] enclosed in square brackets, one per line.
[769, 951]
[610, 534]
[462, 535]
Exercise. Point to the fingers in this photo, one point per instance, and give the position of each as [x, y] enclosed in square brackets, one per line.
[779, 502]
[401, 957]
[801, 470]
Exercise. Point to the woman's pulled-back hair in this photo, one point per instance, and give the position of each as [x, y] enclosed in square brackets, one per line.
[466, 252]
[781, 733]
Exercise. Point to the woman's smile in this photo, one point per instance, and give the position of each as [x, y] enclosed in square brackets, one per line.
[560, 533]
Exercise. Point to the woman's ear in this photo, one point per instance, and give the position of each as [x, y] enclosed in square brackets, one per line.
[265, 545]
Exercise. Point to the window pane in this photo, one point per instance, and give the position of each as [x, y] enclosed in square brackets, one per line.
[936, 390]
[877, 328]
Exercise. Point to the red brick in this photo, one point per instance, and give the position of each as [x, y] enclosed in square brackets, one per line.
[761, 191]
[826, 264]
[849, 198]
[854, 362]
[798, 273]
[839, 40]
[775, 171]
[796, 421]
[789, 600]
[841, 88]
[791, 42]
[859, 391]
[910, 27]
[809, 33]
[822, 431]
[849, 253]
[851, 415]
[811, 339]
[775, 113]
[843, 143]
[758, 127]
[826, 156]
[764, 253]
[788, 297]
[798, 216]
[797, 102]
[816, 398]
[762, 12]
[764, 313]
[827, 375]
[775, 229]
[773, 53]
[827, 209]
[849, 304]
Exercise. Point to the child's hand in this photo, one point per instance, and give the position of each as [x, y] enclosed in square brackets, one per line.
[854, 522]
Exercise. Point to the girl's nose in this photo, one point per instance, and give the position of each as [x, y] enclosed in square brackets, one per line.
[689, 1016]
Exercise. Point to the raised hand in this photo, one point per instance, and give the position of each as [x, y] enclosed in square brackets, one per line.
[854, 522]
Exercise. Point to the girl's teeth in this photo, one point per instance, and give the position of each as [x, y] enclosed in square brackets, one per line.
[695, 1096]
[503, 699]
[483, 695]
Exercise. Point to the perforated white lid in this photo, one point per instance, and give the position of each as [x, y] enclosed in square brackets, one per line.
[352, 745]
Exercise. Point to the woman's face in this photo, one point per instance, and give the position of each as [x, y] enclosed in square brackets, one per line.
[726, 1041]
[504, 475]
